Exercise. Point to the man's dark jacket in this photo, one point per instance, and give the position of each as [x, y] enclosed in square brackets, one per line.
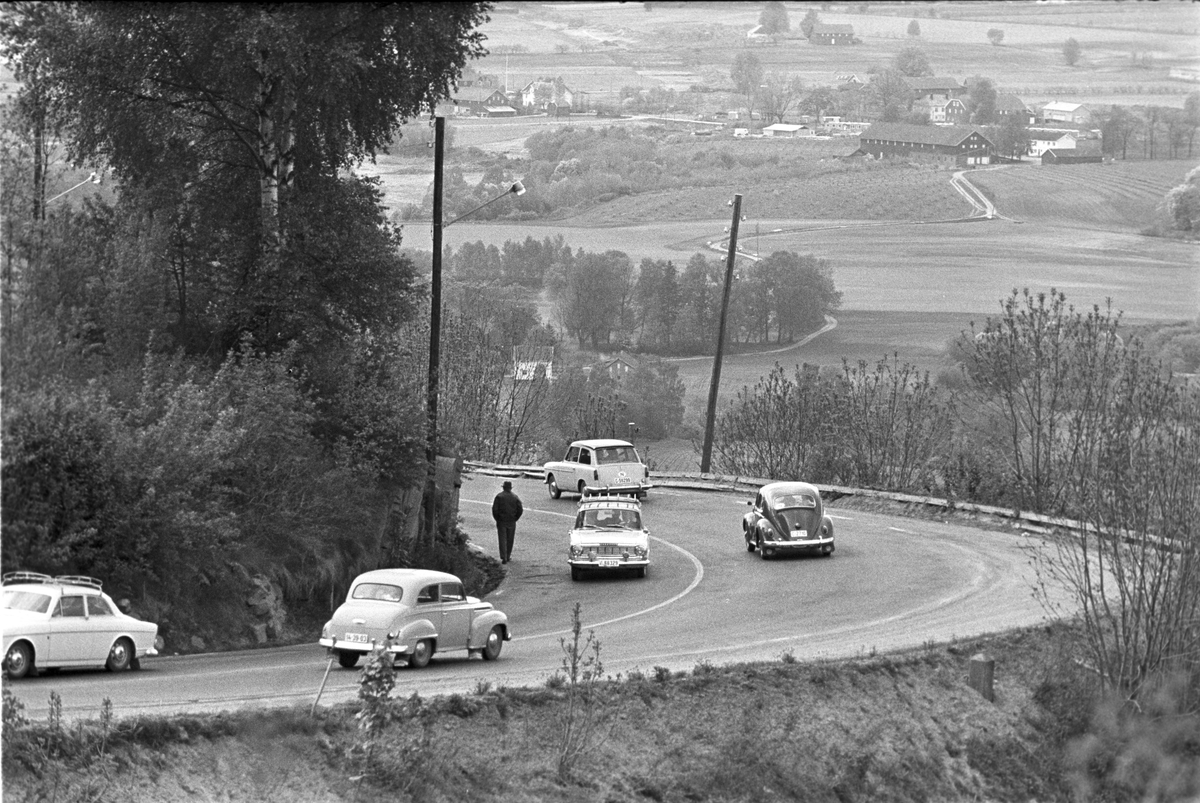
[506, 507]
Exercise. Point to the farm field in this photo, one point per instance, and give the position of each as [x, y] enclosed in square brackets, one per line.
[601, 47]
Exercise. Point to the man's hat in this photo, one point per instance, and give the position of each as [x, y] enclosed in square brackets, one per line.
[507, 485]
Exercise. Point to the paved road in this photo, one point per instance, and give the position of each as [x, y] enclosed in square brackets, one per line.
[893, 583]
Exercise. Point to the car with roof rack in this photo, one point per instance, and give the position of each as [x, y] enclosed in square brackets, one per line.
[608, 536]
[55, 622]
[598, 466]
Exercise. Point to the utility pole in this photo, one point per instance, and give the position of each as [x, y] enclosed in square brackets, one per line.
[435, 334]
[710, 420]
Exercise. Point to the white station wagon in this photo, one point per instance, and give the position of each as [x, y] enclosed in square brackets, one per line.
[420, 612]
[601, 466]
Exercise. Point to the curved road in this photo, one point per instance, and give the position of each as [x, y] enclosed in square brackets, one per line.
[893, 583]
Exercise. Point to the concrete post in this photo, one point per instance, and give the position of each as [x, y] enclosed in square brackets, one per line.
[982, 673]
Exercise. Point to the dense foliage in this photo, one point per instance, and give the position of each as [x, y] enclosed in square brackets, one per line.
[208, 379]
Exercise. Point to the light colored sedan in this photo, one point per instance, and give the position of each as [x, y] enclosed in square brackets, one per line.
[417, 613]
[598, 466]
[68, 621]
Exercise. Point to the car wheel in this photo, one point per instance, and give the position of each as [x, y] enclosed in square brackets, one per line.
[346, 659]
[552, 487]
[18, 661]
[641, 571]
[582, 489]
[421, 654]
[495, 641]
[749, 543]
[120, 656]
[576, 573]
[762, 553]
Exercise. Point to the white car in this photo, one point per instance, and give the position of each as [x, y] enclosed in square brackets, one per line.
[608, 536]
[418, 612]
[600, 466]
[68, 621]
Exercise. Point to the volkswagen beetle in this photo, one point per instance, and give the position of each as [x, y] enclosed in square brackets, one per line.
[787, 518]
[417, 613]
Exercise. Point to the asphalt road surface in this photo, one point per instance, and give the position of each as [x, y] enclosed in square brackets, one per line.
[892, 583]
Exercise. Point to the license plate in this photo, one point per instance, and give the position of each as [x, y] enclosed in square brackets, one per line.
[800, 534]
[609, 564]
[357, 638]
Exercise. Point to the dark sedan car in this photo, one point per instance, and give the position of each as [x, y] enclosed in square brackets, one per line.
[788, 518]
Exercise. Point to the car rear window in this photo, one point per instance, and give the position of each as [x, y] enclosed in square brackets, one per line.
[607, 455]
[378, 591]
[26, 601]
[785, 501]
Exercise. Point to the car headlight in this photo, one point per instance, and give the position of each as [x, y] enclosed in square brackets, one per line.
[576, 551]
[639, 551]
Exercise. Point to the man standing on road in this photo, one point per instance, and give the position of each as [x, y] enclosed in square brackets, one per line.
[506, 509]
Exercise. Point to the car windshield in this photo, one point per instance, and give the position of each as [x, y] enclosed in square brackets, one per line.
[26, 601]
[378, 591]
[606, 455]
[601, 519]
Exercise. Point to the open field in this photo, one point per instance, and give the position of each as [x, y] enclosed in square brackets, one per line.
[1127, 48]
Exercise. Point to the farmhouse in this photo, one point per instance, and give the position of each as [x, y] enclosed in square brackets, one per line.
[531, 362]
[482, 101]
[936, 89]
[1088, 151]
[547, 95]
[942, 112]
[956, 145]
[787, 130]
[1009, 106]
[823, 34]
[1042, 141]
[1062, 112]
[617, 367]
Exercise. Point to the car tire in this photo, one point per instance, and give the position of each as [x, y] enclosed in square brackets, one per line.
[749, 543]
[120, 656]
[641, 571]
[582, 489]
[18, 661]
[422, 652]
[552, 487]
[762, 552]
[347, 659]
[576, 574]
[495, 641]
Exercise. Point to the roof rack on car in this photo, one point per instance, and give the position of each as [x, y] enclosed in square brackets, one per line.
[25, 577]
[79, 580]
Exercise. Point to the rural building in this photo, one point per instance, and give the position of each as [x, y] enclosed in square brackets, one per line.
[1042, 141]
[849, 80]
[1062, 112]
[1009, 106]
[617, 367]
[483, 101]
[788, 131]
[956, 145]
[936, 89]
[531, 361]
[942, 112]
[823, 34]
[1088, 151]
[547, 95]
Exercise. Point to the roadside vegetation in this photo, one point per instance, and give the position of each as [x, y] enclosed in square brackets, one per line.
[902, 728]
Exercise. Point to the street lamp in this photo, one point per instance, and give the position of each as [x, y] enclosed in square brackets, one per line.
[435, 319]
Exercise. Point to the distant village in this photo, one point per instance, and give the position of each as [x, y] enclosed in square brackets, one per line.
[937, 125]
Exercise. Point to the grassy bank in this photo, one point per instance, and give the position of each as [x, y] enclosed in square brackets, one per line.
[898, 727]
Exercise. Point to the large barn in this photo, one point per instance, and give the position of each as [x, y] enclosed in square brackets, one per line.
[958, 144]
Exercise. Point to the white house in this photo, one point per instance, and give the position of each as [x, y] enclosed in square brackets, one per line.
[1063, 112]
[1042, 141]
[787, 130]
[544, 93]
